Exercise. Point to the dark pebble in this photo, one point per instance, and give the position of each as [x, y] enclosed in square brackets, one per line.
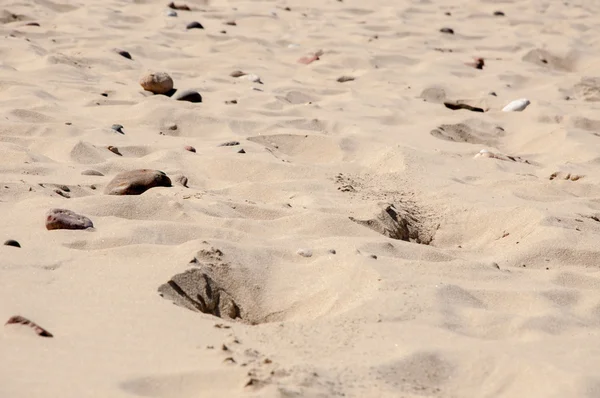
[344, 79]
[493, 93]
[190, 148]
[118, 128]
[194, 25]
[498, 13]
[230, 143]
[447, 30]
[123, 53]
[448, 14]
[104, 94]
[232, 102]
[241, 151]
[91, 173]
[32, 24]
[188, 95]
[11, 242]
[66, 219]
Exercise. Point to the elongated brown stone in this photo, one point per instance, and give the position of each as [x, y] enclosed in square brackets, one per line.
[136, 182]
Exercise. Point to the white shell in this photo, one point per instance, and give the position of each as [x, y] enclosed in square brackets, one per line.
[516, 105]
[305, 252]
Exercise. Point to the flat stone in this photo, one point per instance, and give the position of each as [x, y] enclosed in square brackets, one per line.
[447, 31]
[66, 219]
[123, 53]
[188, 95]
[136, 182]
[12, 242]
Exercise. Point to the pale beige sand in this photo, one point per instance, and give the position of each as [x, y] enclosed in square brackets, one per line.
[503, 302]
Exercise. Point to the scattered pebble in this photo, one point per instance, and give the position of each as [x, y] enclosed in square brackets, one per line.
[373, 256]
[241, 151]
[12, 242]
[118, 128]
[516, 105]
[237, 73]
[66, 219]
[231, 102]
[493, 94]
[32, 24]
[19, 320]
[478, 64]
[305, 252]
[188, 95]
[447, 30]
[498, 13]
[171, 13]
[136, 182]
[91, 173]
[230, 143]
[190, 148]
[231, 23]
[157, 82]
[181, 7]
[223, 32]
[194, 25]
[173, 127]
[344, 79]
[332, 251]
[123, 53]
[114, 150]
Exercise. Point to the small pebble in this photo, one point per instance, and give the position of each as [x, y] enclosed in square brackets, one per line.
[171, 13]
[157, 82]
[516, 105]
[493, 93]
[194, 25]
[498, 13]
[344, 79]
[373, 256]
[241, 151]
[237, 73]
[231, 23]
[32, 24]
[189, 96]
[173, 127]
[447, 30]
[223, 32]
[304, 252]
[118, 128]
[123, 53]
[11, 242]
[181, 7]
[114, 150]
[183, 180]
[190, 148]
[232, 102]
[332, 251]
[230, 143]
[66, 219]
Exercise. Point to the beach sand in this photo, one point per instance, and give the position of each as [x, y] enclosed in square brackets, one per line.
[358, 246]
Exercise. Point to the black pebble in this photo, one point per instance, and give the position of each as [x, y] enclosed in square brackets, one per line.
[124, 53]
[498, 13]
[118, 128]
[11, 242]
[447, 30]
[194, 25]
[241, 151]
[188, 95]
[230, 143]
[33, 24]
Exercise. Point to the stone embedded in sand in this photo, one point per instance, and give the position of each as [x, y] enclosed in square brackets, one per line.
[12, 242]
[237, 73]
[190, 148]
[478, 64]
[182, 180]
[231, 23]
[171, 13]
[498, 13]
[32, 24]
[123, 53]
[114, 150]
[19, 320]
[91, 173]
[157, 82]
[241, 151]
[194, 25]
[66, 219]
[231, 102]
[304, 252]
[188, 95]
[181, 7]
[118, 128]
[136, 182]
[447, 31]
[460, 104]
[344, 79]
[516, 105]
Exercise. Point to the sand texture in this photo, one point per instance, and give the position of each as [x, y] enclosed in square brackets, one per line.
[318, 198]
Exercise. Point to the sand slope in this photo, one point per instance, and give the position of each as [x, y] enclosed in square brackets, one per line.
[434, 273]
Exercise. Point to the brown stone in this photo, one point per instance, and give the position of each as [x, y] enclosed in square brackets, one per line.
[157, 82]
[136, 182]
[66, 219]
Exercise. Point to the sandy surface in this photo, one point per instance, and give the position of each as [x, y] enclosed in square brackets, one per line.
[434, 272]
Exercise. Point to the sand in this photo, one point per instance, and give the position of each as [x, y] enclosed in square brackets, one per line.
[357, 247]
